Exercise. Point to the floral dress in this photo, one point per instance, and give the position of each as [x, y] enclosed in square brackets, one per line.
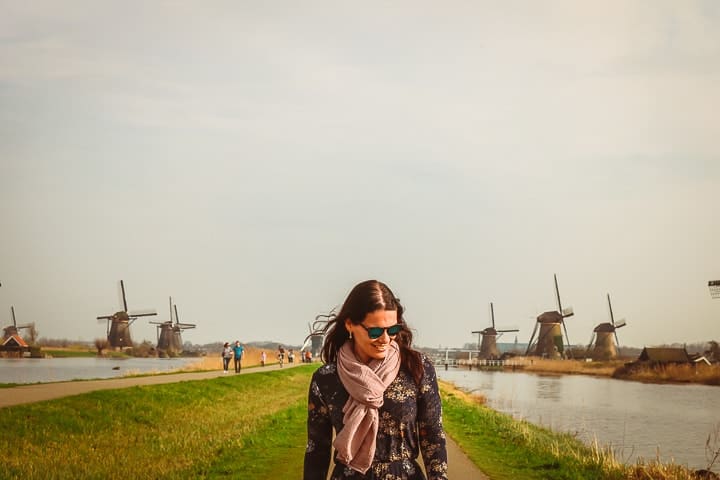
[410, 422]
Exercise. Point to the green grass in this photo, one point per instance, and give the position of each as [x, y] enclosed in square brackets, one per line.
[506, 449]
[275, 449]
[180, 430]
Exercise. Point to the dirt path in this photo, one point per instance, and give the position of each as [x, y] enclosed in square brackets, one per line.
[459, 465]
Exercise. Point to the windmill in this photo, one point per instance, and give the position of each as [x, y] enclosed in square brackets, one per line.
[14, 329]
[488, 344]
[169, 336]
[551, 324]
[314, 340]
[118, 324]
[605, 347]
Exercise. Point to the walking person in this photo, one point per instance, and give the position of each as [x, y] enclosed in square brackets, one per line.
[263, 358]
[227, 354]
[237, 355]
[281, 355]
[378, 394]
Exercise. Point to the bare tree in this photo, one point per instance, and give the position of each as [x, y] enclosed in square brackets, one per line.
[32, 333]
[713, 352]
[101, 344]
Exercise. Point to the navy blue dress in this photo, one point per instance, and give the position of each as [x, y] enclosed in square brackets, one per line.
[410, 424]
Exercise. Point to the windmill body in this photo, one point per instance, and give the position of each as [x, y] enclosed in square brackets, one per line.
[9, 331]
[604, 348]
[119, 334]
[549, 328]
[170, 342]
[118, 324]
[14, 329]
[605, 338]
[550, 339]
[488, 344]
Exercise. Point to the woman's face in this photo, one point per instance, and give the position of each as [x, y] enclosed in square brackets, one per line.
[365, 347]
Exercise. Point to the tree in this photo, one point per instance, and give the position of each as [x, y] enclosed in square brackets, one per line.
[101, 344]
[713, 352]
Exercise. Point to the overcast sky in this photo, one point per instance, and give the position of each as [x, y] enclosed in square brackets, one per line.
[255, 160]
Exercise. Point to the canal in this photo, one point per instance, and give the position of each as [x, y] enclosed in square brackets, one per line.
[34, 370]
[637, 420]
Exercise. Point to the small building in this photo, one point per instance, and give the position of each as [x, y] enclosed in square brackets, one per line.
[14, 344]
[664, 355]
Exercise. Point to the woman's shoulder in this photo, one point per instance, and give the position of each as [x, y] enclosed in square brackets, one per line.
[427, 361]
[326, 369]
[429, 373]
[325, 373]
[326, 377]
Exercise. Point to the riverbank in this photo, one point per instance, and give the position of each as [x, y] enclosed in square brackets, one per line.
[691, 374]
[696, 373]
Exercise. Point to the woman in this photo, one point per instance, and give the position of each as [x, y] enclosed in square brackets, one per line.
[377, 393]
[227, 354]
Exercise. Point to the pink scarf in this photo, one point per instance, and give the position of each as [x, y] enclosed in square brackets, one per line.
[366, 384]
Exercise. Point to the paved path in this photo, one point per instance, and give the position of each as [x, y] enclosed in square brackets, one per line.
[459, 465]
[48, 391]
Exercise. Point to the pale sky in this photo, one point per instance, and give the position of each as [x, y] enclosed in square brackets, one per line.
[257, 160]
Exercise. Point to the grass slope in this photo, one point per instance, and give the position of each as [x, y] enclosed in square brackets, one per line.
[180, 430]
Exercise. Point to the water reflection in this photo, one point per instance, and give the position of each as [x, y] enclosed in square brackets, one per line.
[549, 388]
[633, 419]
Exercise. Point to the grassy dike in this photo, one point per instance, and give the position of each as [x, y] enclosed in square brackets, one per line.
[252, 426]
[244, 426]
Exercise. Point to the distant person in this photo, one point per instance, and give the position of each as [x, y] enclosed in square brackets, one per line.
[308, 356]
[291, 356]
[281, 355]
[378, 395]
[227, 354]
[263, 358]
[237, 355]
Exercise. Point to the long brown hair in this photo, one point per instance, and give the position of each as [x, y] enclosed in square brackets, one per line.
[367, 297]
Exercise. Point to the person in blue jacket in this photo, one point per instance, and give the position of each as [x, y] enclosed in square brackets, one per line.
[237, 355]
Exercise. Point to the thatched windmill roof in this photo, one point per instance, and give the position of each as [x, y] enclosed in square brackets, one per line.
[550, 317]
[664, 355]
[606, 327]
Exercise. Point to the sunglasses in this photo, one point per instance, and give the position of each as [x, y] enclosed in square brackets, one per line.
[376, 332]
